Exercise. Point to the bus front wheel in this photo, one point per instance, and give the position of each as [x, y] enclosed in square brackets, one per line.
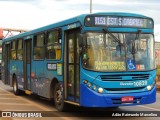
[58, 98]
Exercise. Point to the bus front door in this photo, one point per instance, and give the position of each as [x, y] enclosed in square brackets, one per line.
[71, 78]
[27, 64]
[6, 65]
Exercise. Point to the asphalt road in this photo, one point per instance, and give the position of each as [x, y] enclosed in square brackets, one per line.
[10, 102]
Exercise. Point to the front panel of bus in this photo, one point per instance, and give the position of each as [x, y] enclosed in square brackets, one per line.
[118, 63]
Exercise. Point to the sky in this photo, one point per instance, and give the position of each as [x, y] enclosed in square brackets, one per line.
[31, 14]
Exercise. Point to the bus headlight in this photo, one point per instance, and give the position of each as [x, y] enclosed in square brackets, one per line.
[85, 81]
[94, 88]
[149, 87]
[89, 85]
[100, 90]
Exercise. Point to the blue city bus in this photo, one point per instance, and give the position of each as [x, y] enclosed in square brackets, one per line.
[92, 60]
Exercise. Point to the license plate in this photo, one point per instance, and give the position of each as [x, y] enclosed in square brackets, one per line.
[127, 99]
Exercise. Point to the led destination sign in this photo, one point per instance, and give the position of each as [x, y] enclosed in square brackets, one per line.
[114, 21]
[119, 21]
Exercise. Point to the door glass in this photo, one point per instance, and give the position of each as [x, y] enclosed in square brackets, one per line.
[77, 47]
[71, 49]
[6, 65]
[28, 51]
[71, 65]
[77, 82]
[71, 81]
[77, 65]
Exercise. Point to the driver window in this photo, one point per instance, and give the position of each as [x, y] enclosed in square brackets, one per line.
[90, 51]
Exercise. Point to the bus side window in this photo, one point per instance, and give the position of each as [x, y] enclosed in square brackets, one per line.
[13, 50]
[20, 49]
[53, 45]
[39, 47]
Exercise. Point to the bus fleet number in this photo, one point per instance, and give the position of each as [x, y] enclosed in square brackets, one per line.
[140, 83]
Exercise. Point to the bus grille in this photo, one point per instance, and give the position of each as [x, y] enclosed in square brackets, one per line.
[124, 89]
[125, 77]
[118, 101]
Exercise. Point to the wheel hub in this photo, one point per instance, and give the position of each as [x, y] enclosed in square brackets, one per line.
[59, 96]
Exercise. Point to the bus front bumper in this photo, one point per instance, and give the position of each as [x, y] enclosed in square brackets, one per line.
[90, 98]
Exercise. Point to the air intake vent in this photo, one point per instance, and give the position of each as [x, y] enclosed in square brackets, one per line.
[124, 89]
[125, 77]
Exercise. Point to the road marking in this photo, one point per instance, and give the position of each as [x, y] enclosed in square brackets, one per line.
[14, 104]
[8, 98]
[5, 94]
[30, 102]
[24, 119]
[149, 108]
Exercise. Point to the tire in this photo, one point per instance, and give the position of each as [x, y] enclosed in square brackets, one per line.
[59, 99]
[15, 86]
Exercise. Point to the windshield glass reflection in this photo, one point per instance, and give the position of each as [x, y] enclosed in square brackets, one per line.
[118, 52]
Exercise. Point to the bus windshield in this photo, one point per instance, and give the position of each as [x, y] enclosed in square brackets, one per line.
[118, 52]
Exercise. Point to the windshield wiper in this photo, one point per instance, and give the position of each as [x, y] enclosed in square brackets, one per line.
[133, 51]
[113, 36]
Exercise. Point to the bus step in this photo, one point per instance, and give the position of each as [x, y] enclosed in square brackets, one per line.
[28, 92]
[73, 103]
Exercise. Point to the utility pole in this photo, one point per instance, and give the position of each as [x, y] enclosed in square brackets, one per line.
[90, 6]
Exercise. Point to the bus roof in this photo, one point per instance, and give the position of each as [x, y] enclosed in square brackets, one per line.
[79, 18]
